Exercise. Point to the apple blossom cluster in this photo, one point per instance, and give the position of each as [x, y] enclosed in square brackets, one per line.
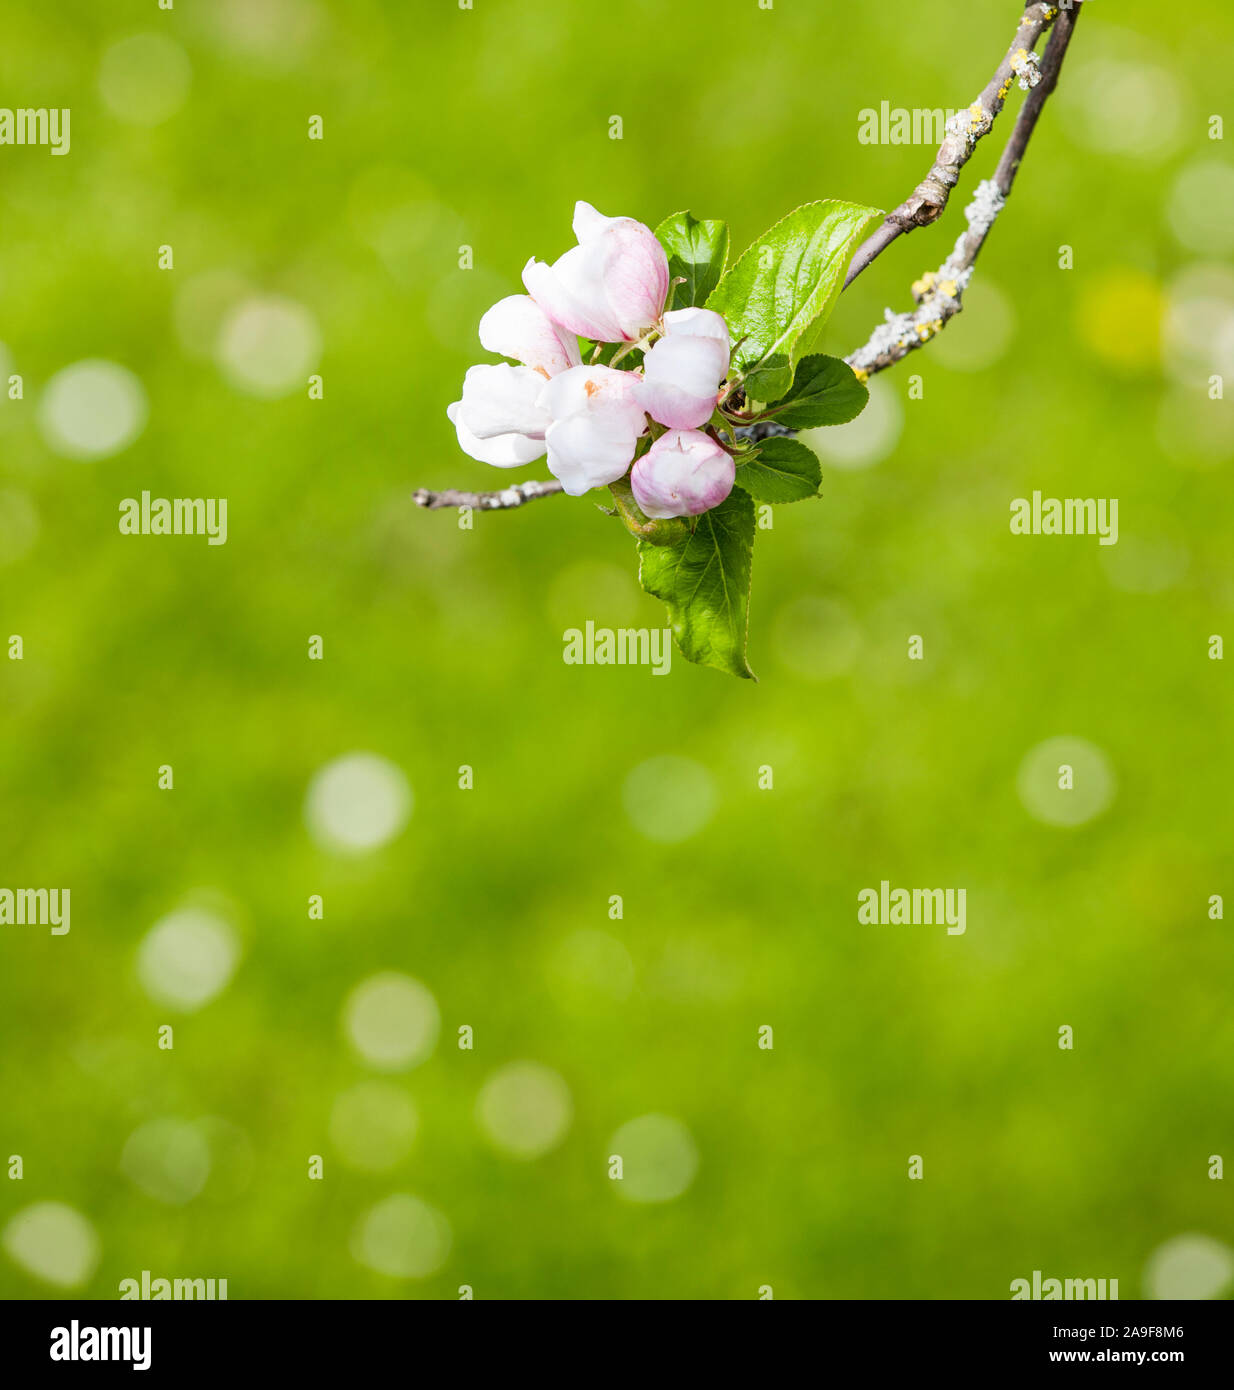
[592, 420]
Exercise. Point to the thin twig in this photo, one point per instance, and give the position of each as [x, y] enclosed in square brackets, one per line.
[515, 496]
[965, 131]
[940, 295]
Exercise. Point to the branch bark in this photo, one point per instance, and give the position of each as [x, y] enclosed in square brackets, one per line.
[939, 295]
[927, 202]
[516, 496]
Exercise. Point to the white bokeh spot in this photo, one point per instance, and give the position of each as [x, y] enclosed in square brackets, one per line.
[865, 440]
[187, 958]
[1200, 207]
[402, 1237]
[54, 1242]
[524, 1109]
[1092, 781]
[658, 1157]
[357, 803]
[92, 409]
[391, 1021]
[1189, 1267]
[268, 346]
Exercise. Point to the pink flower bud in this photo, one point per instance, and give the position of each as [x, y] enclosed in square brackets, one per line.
[611, 287]
[684, 473]
[683, 371]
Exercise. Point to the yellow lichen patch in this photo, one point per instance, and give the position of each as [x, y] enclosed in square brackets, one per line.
[923, 287]
[948, 288]
[861, 374]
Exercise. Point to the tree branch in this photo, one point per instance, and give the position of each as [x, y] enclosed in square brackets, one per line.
[939, 295]
[965, 131]
[516, 496]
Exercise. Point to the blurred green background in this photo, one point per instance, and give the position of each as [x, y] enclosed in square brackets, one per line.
[443, 648]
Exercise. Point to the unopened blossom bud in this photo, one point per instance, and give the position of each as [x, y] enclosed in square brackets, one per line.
[611, 287]
[683, 371]
[684, 473]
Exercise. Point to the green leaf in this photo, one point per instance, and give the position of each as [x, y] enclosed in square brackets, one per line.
[783, 470]
[770, 379]
[787, 282]
[705, 580]
[696, 250]
[825, 391]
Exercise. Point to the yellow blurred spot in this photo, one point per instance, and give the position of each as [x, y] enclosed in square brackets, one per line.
[1119, 317]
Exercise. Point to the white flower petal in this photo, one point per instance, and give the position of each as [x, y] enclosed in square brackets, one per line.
[595, 390]
[586, 452]
[571, 293]
[502, 399]
[502, 451]
[517, 327]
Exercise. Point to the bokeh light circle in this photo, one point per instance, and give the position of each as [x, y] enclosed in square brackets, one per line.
[391, 1021]
[1092, 782]
[54, 1242]
[1200, 206]
[168, 1160]
[659, 1158]
[866, 440]
[402, 1237]
[187, 958]
[92, 409]
[357, 803]
[268, 346]
[524, 1109]
[144, 79]
[1125, 106]
[669, 798]
[1189, 1267]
